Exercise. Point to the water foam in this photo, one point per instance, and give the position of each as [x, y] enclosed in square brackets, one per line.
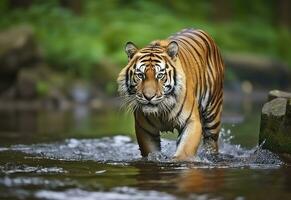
[12, 168]
[122, 150]
[119, 193]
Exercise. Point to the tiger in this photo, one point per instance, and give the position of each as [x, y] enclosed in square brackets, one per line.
[175, 84]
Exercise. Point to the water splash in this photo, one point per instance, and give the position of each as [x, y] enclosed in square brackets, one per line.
[36, 181]
[12, 168]
[122, 150]
[119, 193]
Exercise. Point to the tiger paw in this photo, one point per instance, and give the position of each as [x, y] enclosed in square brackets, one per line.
[179, 158]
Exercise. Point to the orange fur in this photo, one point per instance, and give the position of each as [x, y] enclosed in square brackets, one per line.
[175, 84]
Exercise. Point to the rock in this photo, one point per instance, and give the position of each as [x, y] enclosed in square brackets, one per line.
[277, 94]
[275, 129]
[26, 85]
[260, 71]
[30, 83]
[80, 92]
[18, 49]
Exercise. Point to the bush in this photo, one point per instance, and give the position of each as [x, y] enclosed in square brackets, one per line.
[78, 44]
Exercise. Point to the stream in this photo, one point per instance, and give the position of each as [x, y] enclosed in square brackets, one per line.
[84, 154]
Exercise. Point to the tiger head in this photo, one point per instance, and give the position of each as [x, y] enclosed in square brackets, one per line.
[150, 81]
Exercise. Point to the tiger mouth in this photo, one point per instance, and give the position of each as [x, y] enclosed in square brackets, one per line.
[150, 108]
[151, 104]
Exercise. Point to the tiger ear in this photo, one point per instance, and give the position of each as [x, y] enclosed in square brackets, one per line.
[130, 49]
[172, 49]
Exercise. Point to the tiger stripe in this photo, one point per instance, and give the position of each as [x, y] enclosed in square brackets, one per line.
[175, 83]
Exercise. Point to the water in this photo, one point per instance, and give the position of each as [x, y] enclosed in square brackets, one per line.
[93, 155]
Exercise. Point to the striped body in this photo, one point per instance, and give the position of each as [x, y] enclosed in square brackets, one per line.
[175, 83]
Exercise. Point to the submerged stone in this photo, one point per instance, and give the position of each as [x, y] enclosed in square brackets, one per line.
[275, 129]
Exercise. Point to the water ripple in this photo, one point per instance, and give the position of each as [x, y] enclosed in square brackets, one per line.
[122, 150]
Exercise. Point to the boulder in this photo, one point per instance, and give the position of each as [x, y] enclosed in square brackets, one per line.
[260, 71]
[278, 94]
[18, 49]
[275, 128]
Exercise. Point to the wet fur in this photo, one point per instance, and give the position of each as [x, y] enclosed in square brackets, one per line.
[194, 103]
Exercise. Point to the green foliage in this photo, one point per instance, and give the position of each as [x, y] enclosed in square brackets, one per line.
[42, 88]
[79, 44]
[3, 5]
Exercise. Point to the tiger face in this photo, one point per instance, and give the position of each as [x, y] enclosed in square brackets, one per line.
[149, 80]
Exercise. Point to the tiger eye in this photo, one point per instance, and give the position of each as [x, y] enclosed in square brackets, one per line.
[160, 76]
[140, 75]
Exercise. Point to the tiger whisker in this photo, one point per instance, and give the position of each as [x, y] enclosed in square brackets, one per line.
[128, 103]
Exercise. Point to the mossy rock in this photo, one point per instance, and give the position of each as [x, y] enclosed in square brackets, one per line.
[275, 129]
[18, 50]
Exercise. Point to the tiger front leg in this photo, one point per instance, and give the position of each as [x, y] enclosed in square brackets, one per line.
[210, 144]
[148, 139]
[189, 140]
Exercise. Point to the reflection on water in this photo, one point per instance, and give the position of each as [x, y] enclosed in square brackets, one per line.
[81, 117]
[197, 181]
[114, 162]
[30, 126]
[26, 126]
[86, 154]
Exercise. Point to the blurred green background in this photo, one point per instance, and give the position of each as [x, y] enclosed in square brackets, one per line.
[84, 40]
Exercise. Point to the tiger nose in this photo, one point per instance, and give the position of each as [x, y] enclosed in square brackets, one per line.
[149, 96]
